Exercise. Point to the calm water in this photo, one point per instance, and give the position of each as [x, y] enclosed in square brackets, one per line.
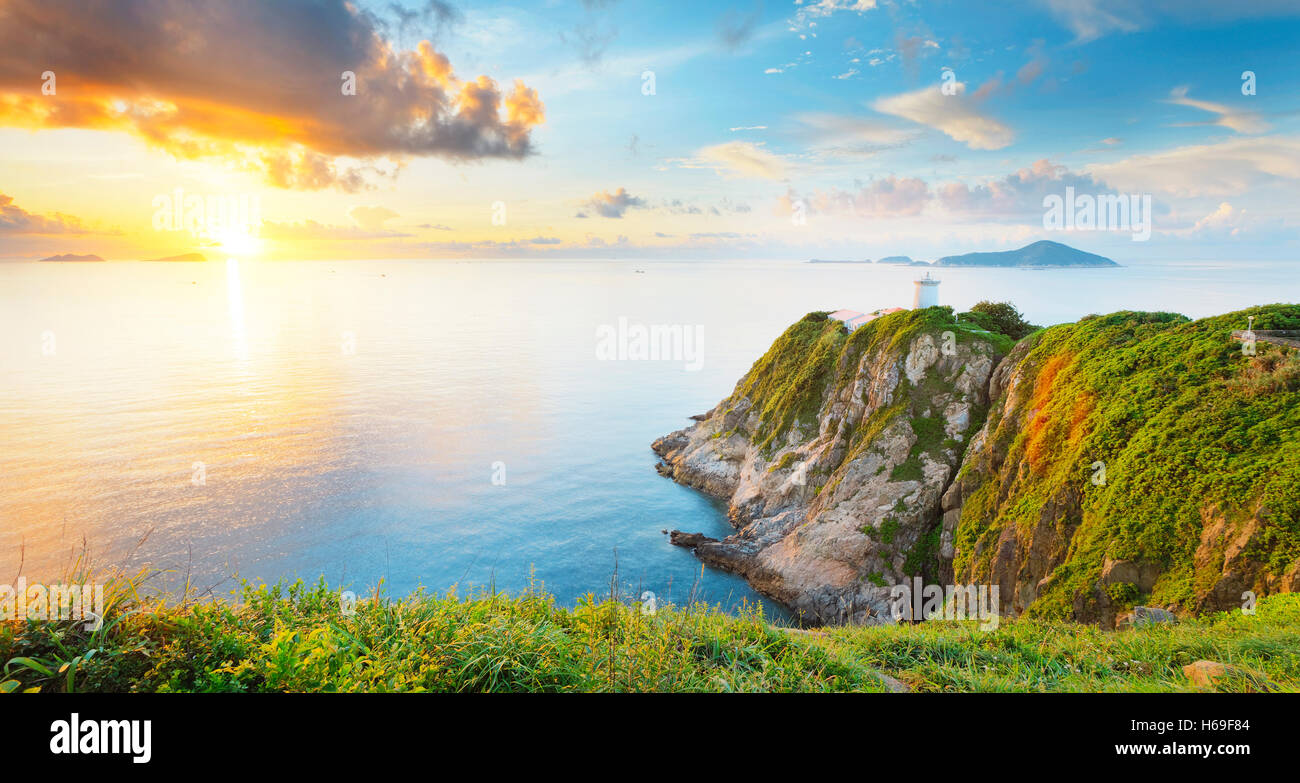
[348, 415]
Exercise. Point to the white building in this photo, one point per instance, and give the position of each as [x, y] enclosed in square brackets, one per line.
[926, 293]
[853, 319]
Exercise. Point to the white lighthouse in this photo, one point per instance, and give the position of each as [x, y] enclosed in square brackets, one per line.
[926, 293]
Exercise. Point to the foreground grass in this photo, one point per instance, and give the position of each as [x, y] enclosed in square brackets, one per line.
[296, 638]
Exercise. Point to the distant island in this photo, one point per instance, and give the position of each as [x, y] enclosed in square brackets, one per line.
[901, 261]
[183, 257]
[1041, 254]
[72, 257]
[832, 261]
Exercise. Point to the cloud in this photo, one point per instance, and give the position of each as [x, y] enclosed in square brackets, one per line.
[589, 41]
[311, 230]
[1228, 168]
[913, 48]
[1019, 194]
[257, 86]
[954, 115]
[435, 13]
[1225, 219]
[371, 218]
[885, 197]
[736, 28]
[612, 205]
[838, 134]
[1013, 197]
[743, 159]
[816, 9]
[16, 220]
[678, 207]
[1092, 19]
[1239, 121]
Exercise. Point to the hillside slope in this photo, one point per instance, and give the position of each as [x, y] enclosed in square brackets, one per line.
[1134, 458]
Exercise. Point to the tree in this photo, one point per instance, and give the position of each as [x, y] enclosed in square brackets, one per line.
[1000, 317]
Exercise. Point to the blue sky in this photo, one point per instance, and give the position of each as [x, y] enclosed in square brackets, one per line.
[1081, 85]
[835, 109]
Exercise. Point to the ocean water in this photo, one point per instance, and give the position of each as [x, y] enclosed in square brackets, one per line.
[268, 420]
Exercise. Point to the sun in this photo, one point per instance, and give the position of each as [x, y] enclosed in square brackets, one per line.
[238, 243]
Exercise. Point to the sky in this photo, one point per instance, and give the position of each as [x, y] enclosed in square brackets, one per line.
[844, 129]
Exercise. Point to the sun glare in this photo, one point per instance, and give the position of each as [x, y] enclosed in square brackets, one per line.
[240, 244]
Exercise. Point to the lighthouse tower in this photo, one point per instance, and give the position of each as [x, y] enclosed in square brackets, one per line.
[926, 293]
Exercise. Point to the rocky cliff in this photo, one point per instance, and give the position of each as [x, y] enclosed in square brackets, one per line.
[834, 452]
[1130, 458]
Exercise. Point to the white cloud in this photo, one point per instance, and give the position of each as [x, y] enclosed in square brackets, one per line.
[1240, 121]
[743, 158]
[371, 218]
[1227, 168]
[954, 115]
[843, 135]
[1091, 19]
[1224, 219]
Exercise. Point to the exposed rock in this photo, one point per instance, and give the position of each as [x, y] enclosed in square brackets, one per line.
[1210, 674]
[1144, 615]
[835, 508]
[1203, 673]
[689, 540]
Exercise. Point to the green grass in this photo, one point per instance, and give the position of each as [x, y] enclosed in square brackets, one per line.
[295, 638]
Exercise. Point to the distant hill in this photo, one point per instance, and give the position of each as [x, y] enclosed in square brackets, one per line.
[1040, 254]
[901, 261]
[72, 257]
[182, 257]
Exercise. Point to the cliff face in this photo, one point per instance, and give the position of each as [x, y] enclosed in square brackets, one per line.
[834, 452]
[1134, 458]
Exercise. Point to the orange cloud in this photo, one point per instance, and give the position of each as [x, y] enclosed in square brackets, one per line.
[257, 85]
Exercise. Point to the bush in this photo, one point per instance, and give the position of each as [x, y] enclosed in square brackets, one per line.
[1000, 318]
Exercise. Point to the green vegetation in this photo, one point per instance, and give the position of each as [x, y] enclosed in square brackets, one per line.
[295, 638]
[817, 356]
[929, 440]
[787, 383]
[1191, 432]
[999, 317]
